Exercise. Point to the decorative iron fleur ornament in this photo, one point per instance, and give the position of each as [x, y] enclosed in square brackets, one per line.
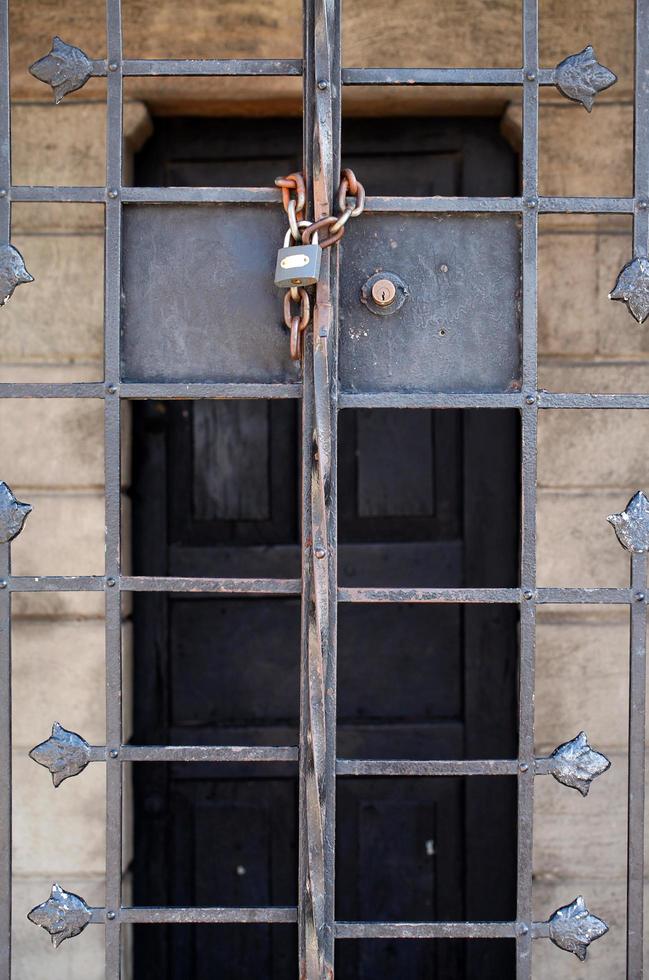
[65, 68]
[13, 514]
[574, 928]
[65, 754]
[632, 524]
[580, 77]
[576, 764]
[12, 272]
[632, 287]
[64, 915]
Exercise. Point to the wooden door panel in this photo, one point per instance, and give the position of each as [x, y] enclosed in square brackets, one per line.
[233, 661]
[399, 662]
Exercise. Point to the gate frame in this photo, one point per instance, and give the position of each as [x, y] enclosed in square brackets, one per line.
[572, 927]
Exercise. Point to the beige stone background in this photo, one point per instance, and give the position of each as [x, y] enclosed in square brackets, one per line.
[52, 453]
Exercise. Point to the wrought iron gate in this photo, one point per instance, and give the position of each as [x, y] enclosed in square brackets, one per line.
[575, 764]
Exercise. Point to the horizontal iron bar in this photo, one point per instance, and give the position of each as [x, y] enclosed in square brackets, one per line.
[270, 195]
[434, 76]
[217, 67]
[587, 205]
[149, 195]
[201, 195]
[232, 586]
[206, 389]
[547, 399]
[280, 915]
[426, 930]
[585, 596]
[344, 767]
[443, 204]
[151, 390]
[202, 753]
[428, 595]
[66, 195]
[552, 205]
[32, 389]
[380, 399]
[289, 753]
[423, 399]
[277, 915]
[426, 767]
[143, 583]
[57, 583]
[541, 595]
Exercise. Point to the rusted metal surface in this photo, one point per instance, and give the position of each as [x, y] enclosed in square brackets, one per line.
[310, 254]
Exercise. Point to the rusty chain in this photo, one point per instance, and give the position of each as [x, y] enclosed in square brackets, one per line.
[351, 203]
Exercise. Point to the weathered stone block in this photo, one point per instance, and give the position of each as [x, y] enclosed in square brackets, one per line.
[58, 675]
[581, 681]
[574, 159]
[64, 445]
[606, 957]
[581, 376]
[575, 835]
[65, 145]
[576, 318]
[576, 544]
[57, 605]
[64, 535]
[59, 145]
[32, 950]
[59, 316]
[596, 448]
[58, 831]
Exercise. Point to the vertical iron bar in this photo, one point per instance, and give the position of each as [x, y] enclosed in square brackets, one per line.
[637, 667]
[112, 288]
[5, 554]
[641, 131]
[5, 126]
[318, 723]
[5, 764]
[528, 483]
[304, 764]
[636, 806]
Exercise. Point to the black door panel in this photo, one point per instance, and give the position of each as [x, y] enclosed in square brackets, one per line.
[426, 498]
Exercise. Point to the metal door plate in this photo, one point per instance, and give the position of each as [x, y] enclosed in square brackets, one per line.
[199, 303]
[459, 329]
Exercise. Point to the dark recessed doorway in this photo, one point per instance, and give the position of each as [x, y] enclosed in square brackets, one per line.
[426, 498]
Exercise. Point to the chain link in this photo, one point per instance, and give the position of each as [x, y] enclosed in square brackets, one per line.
[293, 188]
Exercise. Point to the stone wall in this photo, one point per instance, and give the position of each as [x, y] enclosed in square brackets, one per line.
[52, 456]
[589, 462]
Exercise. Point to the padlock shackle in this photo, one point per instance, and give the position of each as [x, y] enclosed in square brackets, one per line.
[300, 224]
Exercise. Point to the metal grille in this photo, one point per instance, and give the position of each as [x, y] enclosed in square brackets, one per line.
[571, 927]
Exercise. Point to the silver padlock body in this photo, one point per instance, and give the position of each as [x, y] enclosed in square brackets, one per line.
[297, 265]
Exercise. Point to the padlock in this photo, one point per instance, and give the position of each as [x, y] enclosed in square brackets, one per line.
[297, 265]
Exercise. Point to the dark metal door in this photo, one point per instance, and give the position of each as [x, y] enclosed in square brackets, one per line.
[411, 490]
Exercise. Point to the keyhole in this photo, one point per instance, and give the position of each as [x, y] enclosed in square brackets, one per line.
[383, 292]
